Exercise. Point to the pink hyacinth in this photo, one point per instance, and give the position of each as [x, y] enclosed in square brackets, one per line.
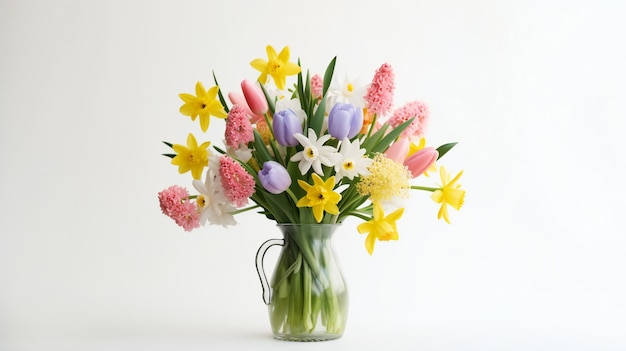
[237, 183]
[379, 97]
[417, 109]
[317, 86]
[175, 203]
[238, 127]
[190, 218]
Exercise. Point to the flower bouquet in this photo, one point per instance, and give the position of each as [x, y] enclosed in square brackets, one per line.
[307, 156]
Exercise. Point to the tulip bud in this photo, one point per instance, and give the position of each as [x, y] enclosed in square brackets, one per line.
[237, 98]
[286, 124]
[398, 150]
[274, 177]
[344, 120]
[254, 97]
[419, 162]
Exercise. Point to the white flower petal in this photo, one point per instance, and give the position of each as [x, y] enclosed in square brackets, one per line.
[304, 166]
[317, 167]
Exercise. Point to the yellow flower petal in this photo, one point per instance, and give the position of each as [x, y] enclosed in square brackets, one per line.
[318, 213]
[380, 227]
[320, 197]
[450, 193]
[277, 66]
[370, 241]
[205, 104]
[191, 157]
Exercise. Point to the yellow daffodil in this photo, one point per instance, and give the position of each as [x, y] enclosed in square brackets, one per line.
[450, 193]
[380, 227]
[277, 66]
[320, 196]
[204, 104]
[192, 157]
[413, 148]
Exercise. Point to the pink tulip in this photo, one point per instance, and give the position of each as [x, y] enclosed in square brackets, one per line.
[237, 98]
[420, 161]
[398, 150]
[255, 97]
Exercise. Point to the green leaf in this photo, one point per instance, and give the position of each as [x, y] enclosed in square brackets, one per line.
[307, 87]
[168, 144]
[219, 94]
[443, 149]
[270, 102]
[260, 150]
[219, 150]
[328, 75]
[318, 118]
[389, 138]
[169, 155]
[276, 152]
[373, 139]
[300, 89]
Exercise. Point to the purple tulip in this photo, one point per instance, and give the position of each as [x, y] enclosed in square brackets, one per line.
[344, 120]
[274, 177]
[286, 124]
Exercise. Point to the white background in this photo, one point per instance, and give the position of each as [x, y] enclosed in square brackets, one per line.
[532, 90]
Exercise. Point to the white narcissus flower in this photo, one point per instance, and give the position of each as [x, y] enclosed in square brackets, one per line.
[353, 162]
[315, 153]
[243, 153]
[347, 91]
[212, 202]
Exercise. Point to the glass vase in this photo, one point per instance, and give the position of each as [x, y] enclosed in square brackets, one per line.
[307, 296]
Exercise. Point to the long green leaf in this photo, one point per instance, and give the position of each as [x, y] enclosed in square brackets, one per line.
[300, 89]
[328, 75]
[270, 102]
[389, 138]
[260, 150]
[318, 118]
[307, 89]
[276, 151]
[219, 150]
[443, 149]
[373, 139]
[219, 94]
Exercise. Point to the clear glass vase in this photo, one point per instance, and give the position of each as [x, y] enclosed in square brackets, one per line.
[307, 296]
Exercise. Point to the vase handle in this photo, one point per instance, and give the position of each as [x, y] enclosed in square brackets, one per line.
[267, 289]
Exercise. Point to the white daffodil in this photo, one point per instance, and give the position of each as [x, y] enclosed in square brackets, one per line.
[353, 162]
[346, 90]
[243, 153]
[315, 153]
[212, 202]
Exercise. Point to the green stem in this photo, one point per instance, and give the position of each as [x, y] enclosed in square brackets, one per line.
[307, 291]
[244, 209]
[417, 187]
[292, 195]
[369, 132]
[361, 216]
